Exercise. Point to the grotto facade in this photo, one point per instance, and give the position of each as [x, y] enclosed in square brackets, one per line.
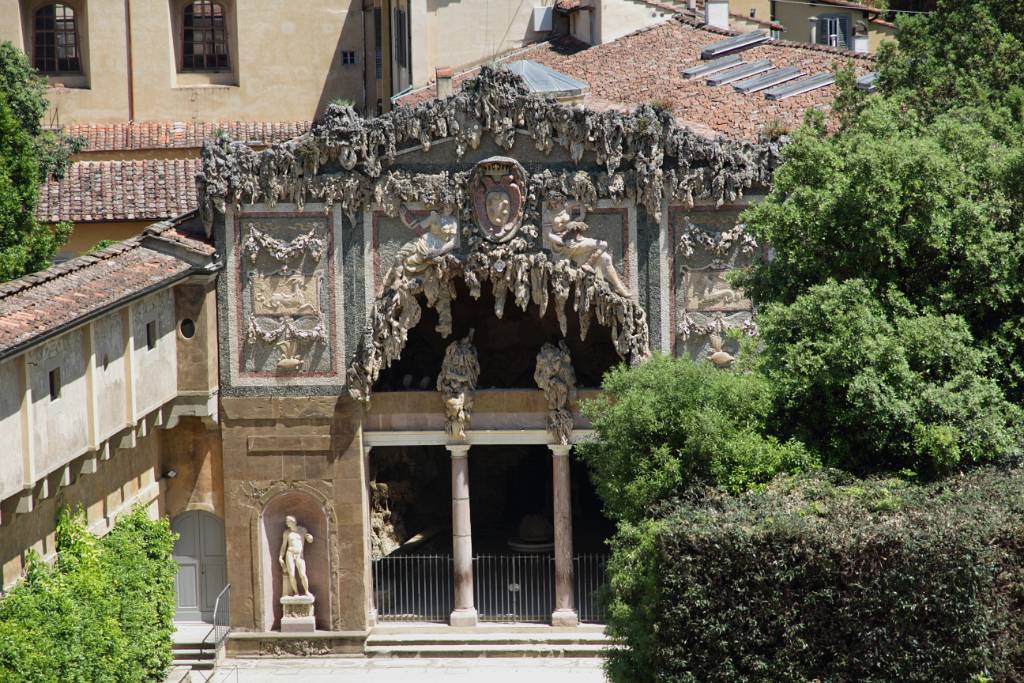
[352, 377]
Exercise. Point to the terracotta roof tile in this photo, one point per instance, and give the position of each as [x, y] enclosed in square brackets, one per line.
[43, 303]
[96, 191]
[645, 66]
[107, 137]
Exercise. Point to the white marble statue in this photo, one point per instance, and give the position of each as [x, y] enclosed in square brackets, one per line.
[591, 255]
[293, 564]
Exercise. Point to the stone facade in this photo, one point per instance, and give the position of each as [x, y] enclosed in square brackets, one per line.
[457, 275]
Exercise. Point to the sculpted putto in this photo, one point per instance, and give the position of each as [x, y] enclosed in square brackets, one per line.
[293, 563]
[591, 255]
[457, 382]
[438, 238]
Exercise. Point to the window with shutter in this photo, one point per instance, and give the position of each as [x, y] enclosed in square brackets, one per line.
[834, 30]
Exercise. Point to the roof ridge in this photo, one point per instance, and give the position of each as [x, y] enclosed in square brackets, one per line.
[74, 265]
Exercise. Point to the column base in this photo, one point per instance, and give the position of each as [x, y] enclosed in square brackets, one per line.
[565, 617]
[463, 617]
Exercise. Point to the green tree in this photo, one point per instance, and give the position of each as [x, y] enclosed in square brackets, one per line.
[671, 424]
[28, 155]
[871, 392]
[921, 191]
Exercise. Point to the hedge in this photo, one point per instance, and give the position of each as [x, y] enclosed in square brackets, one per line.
[824, 577]
[102, 613]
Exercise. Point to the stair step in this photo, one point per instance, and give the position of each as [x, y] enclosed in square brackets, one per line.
[195, 653]
[197, 664]
[461, 639]
[480, 650]
[178, 674]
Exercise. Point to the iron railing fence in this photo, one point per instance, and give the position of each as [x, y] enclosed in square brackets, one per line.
[590, 571]
[507, 588]
[221, 621]
[514, 588]
[413, 588]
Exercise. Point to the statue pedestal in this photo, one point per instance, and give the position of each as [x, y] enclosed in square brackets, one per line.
[297, 614]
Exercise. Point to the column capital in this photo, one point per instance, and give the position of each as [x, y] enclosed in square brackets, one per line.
[560, 450]
[458, 450]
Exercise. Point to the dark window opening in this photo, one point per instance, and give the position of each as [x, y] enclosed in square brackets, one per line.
[55, 47]
[188, 328]
[348, 57]
[54, 384]
[151, 335]
[378, 58]
[401, 53]
[205, 41]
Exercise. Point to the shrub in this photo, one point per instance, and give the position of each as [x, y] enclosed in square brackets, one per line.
[102, 613]
[876, 392]
[670, 424]
[821, 576]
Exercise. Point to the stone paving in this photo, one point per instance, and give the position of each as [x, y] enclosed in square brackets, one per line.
[381, 670]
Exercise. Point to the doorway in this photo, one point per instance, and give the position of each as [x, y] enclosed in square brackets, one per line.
[202, 564]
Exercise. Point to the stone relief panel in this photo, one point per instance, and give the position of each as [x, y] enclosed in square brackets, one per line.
[706, 311]
[286, 302]
[608, 223]
[388, 239]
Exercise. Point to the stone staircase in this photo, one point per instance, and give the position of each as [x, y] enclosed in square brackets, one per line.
[197, 656]
[505, 640]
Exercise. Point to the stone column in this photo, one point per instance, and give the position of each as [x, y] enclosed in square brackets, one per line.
[561, 485]
[462, 539]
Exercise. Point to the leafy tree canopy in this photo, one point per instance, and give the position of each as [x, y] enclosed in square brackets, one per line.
[28, 155]
[921, 191]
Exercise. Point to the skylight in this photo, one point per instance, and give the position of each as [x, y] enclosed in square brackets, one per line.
[733, 44]
[740, 72]
[714, 66]
[800, 87]
[546, 81]
[768, 80]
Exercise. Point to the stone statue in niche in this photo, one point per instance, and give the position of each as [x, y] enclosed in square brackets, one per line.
[438, 234]
[297, 608]
[457, 382]
[498, 185]
[567, 239]
[556, 378]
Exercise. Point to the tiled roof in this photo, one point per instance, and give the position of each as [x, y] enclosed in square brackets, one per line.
[44, 303]
[96, 191]
[107, 137]
[644, 67]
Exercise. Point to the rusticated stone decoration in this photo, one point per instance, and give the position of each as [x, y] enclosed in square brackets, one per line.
[294, 648]
[647, 157]
[567, 238]
[720, 358]
[555, 377]
[457, 383]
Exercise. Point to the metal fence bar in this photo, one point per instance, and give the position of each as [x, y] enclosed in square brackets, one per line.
[591, 579]
[507, 588]
[413, 587]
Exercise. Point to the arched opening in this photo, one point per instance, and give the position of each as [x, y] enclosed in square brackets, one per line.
[308, 513]
[200, 552]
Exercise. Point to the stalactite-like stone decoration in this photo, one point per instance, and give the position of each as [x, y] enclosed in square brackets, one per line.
[457, 384]
[647, 156]
[556, 378]
[286, 287]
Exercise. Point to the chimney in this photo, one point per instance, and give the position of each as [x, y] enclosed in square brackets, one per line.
[444, 75]
[860, 44]
[691, 5]
[716, 13]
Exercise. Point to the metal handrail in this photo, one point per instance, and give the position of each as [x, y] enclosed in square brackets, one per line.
[215, 630]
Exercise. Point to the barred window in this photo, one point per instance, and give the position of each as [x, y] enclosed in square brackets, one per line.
[55, 47]
[205, 41]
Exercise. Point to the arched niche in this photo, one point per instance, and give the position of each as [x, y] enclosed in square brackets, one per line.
[308, 512]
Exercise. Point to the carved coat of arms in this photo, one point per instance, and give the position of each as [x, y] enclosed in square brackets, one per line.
[497, 185]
